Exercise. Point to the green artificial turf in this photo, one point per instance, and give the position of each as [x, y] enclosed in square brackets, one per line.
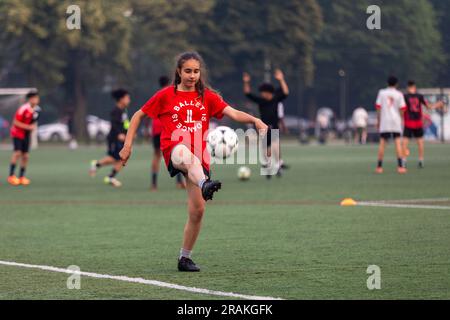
[285, 237]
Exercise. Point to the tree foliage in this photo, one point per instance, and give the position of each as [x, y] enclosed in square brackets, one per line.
[408, 45]
[132, 42]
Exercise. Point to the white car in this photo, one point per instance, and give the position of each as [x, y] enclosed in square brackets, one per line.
[97, 129]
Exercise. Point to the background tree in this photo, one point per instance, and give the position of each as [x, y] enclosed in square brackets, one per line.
[55, 58]
[408, 45]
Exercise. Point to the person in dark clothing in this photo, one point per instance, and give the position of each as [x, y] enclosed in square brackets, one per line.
[267, 102]
[115, 139]
[413, 120]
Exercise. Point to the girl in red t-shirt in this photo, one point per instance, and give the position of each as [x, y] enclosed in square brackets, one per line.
[185, 109]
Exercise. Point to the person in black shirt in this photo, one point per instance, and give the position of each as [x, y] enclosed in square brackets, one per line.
[268, 108]
[115, 139]
[413, 119]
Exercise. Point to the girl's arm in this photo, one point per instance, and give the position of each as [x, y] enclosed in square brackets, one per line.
[243, 117]
[125, 153]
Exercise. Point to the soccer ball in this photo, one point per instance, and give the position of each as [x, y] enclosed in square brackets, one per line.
[222, 142]
[244, 173]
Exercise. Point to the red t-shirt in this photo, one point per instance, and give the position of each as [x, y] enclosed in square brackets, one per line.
[157, 127]
[23, 114]
[185, 119]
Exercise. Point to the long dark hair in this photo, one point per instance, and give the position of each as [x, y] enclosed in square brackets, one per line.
[202, 82]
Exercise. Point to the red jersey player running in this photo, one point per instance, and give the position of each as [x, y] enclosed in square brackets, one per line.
[23, 124]
[185, 109]
[413, 119]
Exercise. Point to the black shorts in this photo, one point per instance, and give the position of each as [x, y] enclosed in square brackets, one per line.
[388, 135]
[114, 147]
[22, 145]
[157, 142]
[269, 135]
[413, 133]
[174, 171]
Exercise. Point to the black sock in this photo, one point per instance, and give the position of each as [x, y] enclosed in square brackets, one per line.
[12, 168]
[179, 178]
[22, 171]
[113, 173]
[154, 179]
[380, 163]
[400, 162]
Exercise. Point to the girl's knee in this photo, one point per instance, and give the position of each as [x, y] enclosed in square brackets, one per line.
[182, 156]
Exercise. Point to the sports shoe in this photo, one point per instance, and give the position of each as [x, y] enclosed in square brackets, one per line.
[379, 170]
[401, 170]
[421, 165]
[209, 187]
[186, 264]
[279, 172]
[284, 166]
[13, 180]
[112, 181]
[93, 168]
[24, 181]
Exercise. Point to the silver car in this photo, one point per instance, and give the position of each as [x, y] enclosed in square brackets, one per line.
[97, 129]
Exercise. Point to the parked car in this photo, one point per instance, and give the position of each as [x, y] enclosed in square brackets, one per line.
[59, 132]
[97, 128]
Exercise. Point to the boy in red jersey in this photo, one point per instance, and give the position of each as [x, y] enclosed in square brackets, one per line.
[185, 109]
[23, 124]
[413, 119]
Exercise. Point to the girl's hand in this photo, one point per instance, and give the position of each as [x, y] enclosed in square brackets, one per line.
[245, 77]
[261, 127]
[125, 154]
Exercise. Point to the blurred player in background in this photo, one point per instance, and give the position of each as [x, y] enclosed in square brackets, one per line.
[115, 139]
[157, 128]
[284, 130]
[390, 107]
[414, 119]
[267, 102]
[22, 126]
[185, 109]
[359, 119]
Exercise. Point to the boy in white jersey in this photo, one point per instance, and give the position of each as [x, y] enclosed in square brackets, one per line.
[390, 107]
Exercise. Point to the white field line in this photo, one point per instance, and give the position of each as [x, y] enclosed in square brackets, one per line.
[398, 205]
[138, 280]
[411, 200]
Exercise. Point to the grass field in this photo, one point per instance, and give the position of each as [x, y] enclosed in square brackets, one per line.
[285, 238]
